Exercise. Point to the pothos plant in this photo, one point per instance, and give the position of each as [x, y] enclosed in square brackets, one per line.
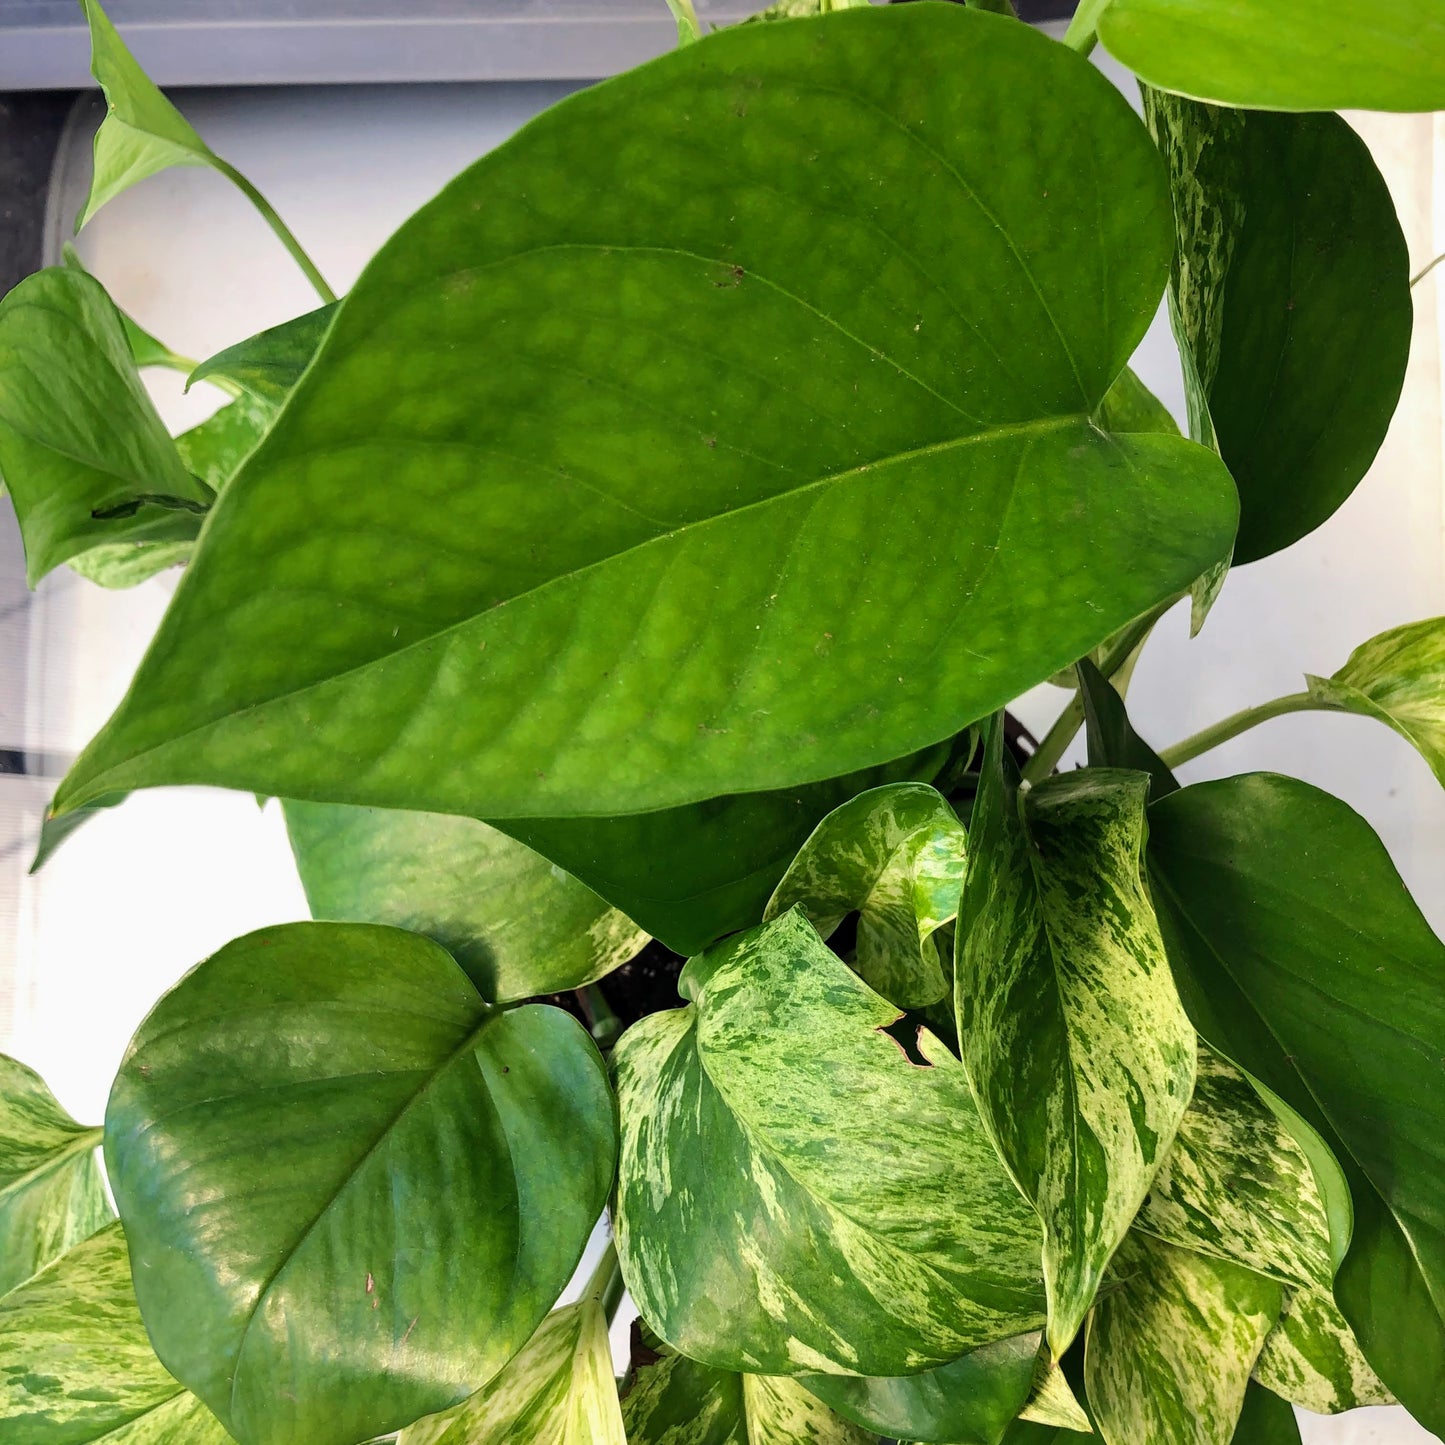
[648, 547]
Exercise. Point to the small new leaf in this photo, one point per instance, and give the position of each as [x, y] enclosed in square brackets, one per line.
[895, 856]
[560, 1390]
[1077, 1046]
[856, 1220]
[1397, 677]
[51, 1194]
[269, 364]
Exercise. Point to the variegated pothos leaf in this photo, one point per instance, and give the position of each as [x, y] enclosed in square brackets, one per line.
[76, 1365]
[1312, 1359]
[678, 1401]
[895, 855]
[1053, 1401]
[1237, 1186]
[559, 1390]
[51, 1194]
[1077, 1047]
[1171, 1346]
[1397, 677]
[852, 1218]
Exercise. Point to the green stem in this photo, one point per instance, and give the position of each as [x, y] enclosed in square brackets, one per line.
[604, 1025]
[1425, 270]
[607, 1285]
[998, 7]
[1066, 726]
[1082, 34]
[1240, 722]
[282, 230]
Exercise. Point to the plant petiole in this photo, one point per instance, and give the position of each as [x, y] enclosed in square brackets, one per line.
[1239, 722]
[283, 232]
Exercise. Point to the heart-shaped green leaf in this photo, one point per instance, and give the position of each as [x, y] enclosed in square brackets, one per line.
[142, 132]
[1303, 959]
[1171, 1345]
[1076, 1043]
[1265, 1419]
[690, 875]
[560, 1390]
[78, 432]
[603, 448]
[1399, 678]
[516, 923]
[1237, 1186]
[676, 1401]
[1291, 298]
[1312, 1359]
[51, 1194]
[855, 1221]
[269, 364]
[894, 855]
[969, 1401]
[1324, 55]
[432, 1168]
[76, 1366]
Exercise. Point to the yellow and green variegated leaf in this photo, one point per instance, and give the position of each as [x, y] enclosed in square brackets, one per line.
[894, 856]
[852, 1218]
[1312, 1358]
[516, 923]
[76, 1366]
[142, 132]
[1076, 1044]
[560, 1390]
[51, 1194]
[678, 1401]
[1399, 678]
[1053, 1402]
[1237, 1186]
[969, 1401]
[1171, 1345]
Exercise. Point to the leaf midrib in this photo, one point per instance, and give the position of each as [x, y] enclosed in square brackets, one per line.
[467, 1045]
[94, 787]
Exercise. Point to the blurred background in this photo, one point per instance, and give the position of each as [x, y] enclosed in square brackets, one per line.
[348, 117]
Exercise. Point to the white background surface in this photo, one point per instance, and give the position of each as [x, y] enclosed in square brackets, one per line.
[141, 894]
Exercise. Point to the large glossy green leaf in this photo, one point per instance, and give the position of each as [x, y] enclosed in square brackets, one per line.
[1313, 1359]
[1285, 54]
[76, 1366]
[269, 364]
[1265, 1419]
[969, 1401]
[677, 1401]
[1237, 1186]
[893, 855]
[78, 432]
[560, 1390]
[516, 923]
[142, 132]
[689, 875]
[352, 1188]
[795, 1195]
[1076, 1044]
[769, 479]
[1170, 1347]
[51, 1194]
[1301, 957]
[1399, 678]
[1291, 297]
